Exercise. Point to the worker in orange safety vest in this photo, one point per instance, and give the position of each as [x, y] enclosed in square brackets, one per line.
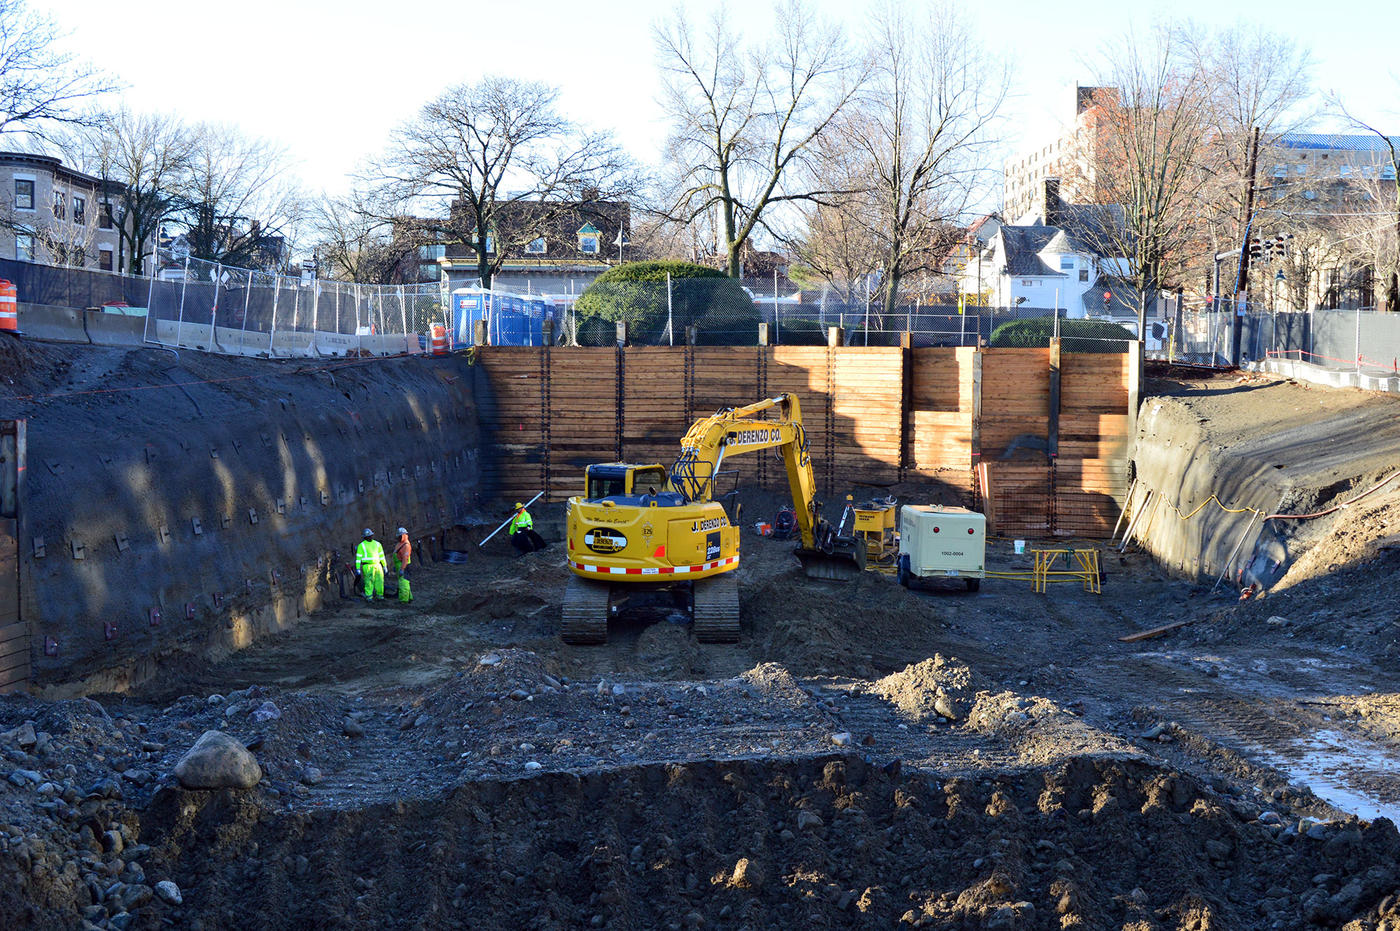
[403, 558]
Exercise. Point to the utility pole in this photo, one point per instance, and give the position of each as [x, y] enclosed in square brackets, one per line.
[1242, 276]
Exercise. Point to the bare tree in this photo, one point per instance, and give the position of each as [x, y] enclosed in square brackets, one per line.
[744, 119]
[364, 236]
[1387, 258]
[1255, 79]
[507, 163]
[922, 129]
[237, 199]
[142, 162]
[1149, 131]
[838, 248]
[40, 86]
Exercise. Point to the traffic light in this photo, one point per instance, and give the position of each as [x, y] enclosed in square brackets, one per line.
[1256, 249]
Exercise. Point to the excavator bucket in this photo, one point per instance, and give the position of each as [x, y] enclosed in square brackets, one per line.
[843, 560]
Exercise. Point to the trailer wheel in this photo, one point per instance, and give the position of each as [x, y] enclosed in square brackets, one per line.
[903, 572]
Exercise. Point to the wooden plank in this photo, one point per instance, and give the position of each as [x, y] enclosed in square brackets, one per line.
[9, 648]
[1154, 632]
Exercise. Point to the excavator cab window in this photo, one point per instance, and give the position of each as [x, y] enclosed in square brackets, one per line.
[649, 481]
[606, 482]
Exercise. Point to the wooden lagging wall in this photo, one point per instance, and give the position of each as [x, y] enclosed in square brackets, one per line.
[873, 415]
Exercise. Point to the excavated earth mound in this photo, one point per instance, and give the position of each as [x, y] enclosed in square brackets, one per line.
[822, 842]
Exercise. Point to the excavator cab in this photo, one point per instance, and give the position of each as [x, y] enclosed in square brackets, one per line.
[624, 480]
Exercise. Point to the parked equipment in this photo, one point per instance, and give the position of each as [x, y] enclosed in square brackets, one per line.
[643, 528]
[874, 524]
[942, 543]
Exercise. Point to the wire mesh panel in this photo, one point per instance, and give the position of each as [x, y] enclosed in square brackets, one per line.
[216, 308]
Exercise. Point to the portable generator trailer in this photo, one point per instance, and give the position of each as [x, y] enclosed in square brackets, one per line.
[937, 542]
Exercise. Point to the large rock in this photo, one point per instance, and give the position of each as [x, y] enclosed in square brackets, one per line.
[218, 761]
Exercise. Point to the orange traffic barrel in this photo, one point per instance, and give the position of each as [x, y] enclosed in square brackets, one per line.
[9, 306]
[439, 340]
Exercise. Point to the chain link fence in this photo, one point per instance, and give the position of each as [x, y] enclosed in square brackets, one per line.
[722, 311]
[204, 305]
[64, 286]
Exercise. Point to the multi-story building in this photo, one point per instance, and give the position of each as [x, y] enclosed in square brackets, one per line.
[54, 215]
[1069, 158]
[1327, 194]
[550, 248]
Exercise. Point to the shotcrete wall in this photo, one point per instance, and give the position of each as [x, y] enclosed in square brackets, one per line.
[195, 502]
[1213, 475]
[1177, 461]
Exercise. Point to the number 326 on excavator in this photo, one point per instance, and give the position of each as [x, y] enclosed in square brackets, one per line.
[643, 528]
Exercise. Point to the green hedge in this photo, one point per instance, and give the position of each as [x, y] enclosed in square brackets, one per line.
[636, 293]
[1036, 332]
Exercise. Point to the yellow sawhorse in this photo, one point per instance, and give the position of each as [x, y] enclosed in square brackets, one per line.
[1085, 568]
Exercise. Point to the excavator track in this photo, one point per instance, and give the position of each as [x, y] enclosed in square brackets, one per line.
[585, 615]
[717, 609]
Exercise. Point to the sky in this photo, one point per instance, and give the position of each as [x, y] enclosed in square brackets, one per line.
[328, 81]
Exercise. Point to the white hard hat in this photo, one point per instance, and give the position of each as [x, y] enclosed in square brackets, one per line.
[403, 530]
[368, 532]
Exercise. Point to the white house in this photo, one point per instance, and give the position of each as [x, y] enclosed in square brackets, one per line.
[1052, 260]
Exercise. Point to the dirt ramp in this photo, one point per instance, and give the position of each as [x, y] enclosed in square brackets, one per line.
[827, 842]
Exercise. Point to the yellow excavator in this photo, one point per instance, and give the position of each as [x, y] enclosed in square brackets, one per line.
[642, 527]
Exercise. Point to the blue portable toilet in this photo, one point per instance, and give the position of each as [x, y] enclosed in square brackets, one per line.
[468, 306]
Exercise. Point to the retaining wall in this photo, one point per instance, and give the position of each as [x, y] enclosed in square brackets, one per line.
[196, 503]
[1204, 487]
[872, 416]
[1178, 463]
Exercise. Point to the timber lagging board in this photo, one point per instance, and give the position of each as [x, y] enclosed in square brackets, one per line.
[938, 411]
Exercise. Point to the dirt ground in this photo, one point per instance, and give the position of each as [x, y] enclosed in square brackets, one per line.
[866, 756]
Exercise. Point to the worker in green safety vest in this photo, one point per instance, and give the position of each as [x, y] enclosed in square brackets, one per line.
[522, 532]
[370, 565]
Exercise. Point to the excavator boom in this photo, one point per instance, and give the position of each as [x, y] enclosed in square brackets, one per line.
[711, 439]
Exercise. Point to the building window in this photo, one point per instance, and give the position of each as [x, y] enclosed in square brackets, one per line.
[1280, 171]
[1027, 283]
[1066, 263]
[24, 194]
[60, 205]
[79, 209]
[1301, 169]
[1310, 195]
[588, 238]
[1084, 274]
[24, 246]
[535, 246]
[104, 258]
[104, 218]
[432, 251]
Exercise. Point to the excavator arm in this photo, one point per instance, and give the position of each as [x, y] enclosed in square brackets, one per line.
[710, 440]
